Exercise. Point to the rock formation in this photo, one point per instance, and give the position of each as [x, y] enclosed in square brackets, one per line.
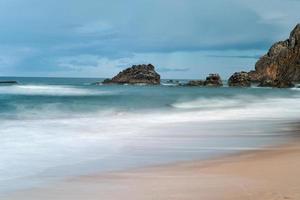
[195, 83]
[239, 79]
[281, 65]
[213, 80]
[137, 74]
[276, 83]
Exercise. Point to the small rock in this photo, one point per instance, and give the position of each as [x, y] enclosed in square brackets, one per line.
[195, 83]
[213, 80]
[239, 79]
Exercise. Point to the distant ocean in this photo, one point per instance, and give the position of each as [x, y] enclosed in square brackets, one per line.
[52, 128]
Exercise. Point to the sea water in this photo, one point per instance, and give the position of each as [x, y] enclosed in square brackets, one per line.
[53, 128]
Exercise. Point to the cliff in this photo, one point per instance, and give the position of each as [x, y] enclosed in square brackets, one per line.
[282, 62]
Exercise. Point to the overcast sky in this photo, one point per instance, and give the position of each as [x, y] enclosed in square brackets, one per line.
[98, 38]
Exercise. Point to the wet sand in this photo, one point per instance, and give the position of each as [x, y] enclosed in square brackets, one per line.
[271, 174]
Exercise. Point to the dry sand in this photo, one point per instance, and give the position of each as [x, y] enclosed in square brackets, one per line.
[260, 175]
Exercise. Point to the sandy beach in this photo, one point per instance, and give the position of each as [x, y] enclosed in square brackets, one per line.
[271, 174]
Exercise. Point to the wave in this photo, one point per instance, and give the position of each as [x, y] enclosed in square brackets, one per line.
[241, 107]
[30, 146]
[49, 90]
[51, 139]
[206, 103]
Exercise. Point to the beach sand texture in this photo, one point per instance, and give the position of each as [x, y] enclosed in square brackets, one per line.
[259, 175]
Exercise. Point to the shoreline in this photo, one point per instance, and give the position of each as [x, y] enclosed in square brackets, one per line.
[256, 174]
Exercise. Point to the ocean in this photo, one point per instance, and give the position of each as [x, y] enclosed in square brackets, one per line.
[54, 128]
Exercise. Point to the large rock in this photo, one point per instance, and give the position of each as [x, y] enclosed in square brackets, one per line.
[213, 80]
[239, 79]
[137, 74]
[282, 62]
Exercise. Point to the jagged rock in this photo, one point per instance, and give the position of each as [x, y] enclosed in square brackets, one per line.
[276, 83]
[281, 64]
[137, 74]
[239, 79]
[195, 83]
[213, 80]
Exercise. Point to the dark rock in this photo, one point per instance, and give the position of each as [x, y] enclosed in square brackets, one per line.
[281, 64]
[213, 80]
[137, 74]
[107, 81]
[239, 79]
[195, 83]
[8, 82]
[276, 83]
[254, 76]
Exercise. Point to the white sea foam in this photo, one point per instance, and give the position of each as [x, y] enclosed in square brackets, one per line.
[206, 103]
[241, 107]
[51, 90]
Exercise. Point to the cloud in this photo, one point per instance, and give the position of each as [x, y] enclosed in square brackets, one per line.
[99, 37]
[235, 56]
[167, 69]
[12, 56]
[99, 28]
[82, 62]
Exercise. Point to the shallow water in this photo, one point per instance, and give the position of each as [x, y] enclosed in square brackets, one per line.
[51, 128]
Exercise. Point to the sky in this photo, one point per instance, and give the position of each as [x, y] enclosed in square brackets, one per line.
[98, 38]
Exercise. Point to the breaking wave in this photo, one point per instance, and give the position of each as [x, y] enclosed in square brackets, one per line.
[49, 90]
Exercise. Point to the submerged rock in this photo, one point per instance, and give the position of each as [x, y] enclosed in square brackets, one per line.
[137, 74]
[8, 82]
[239, 79]
[213, 80]
[176, 82]
[281, 65]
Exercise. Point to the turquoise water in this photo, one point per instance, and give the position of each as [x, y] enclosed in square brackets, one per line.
[52, 128]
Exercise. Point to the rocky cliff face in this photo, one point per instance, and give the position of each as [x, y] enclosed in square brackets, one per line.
[282, 62]
[137, 74]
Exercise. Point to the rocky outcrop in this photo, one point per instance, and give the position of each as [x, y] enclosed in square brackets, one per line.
[137, 74]
[281, 65]
[254, 76]
[239, 79]
[195, 83]
[276, 83]
[213, 80]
